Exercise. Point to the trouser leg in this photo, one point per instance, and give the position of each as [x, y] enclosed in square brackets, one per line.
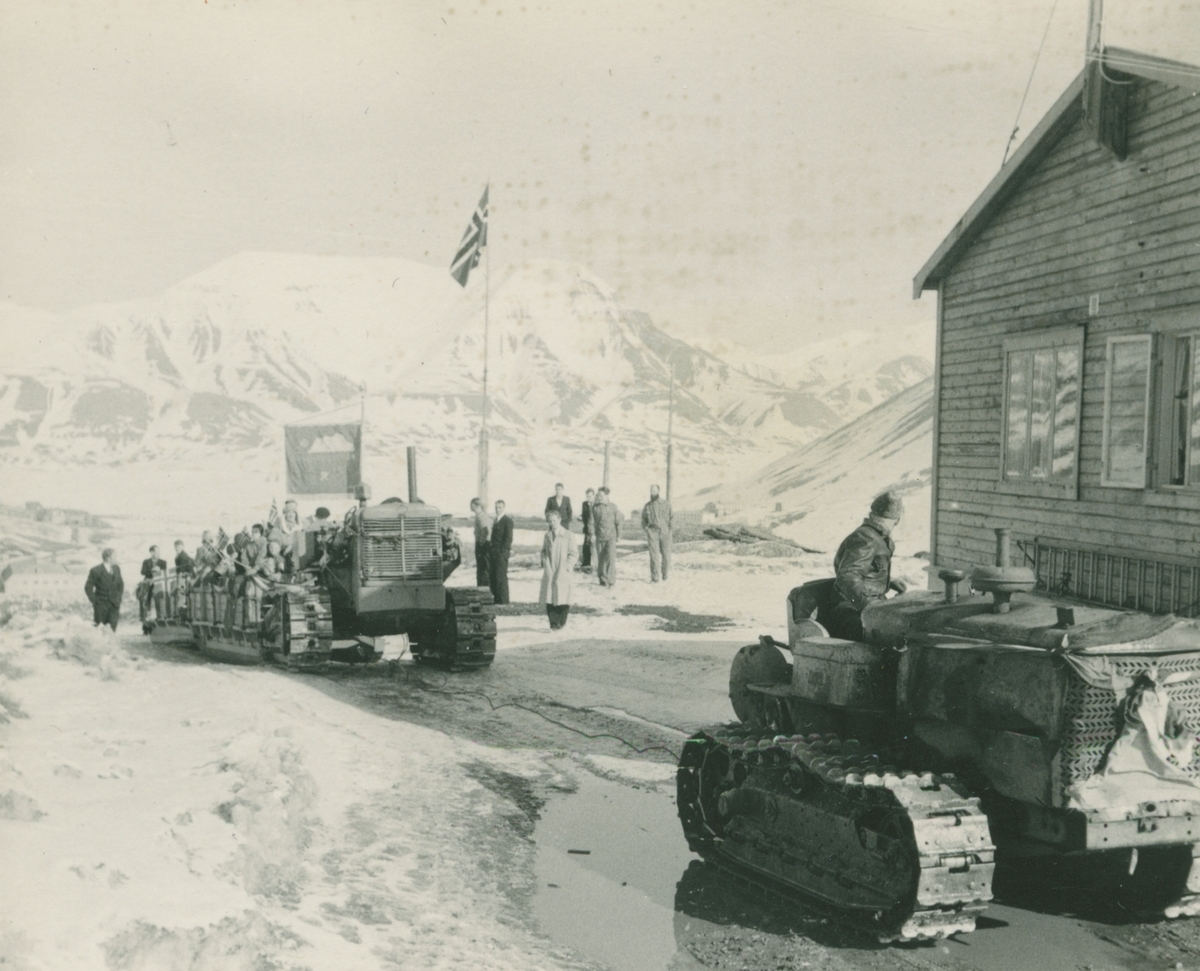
[483, 576]
[237, 587]
[603, 563]
[845, 622]
[666, 552]
[654, 541]
[499, 578]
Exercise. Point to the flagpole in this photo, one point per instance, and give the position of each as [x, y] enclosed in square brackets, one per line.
[362, 433]
[483, 434]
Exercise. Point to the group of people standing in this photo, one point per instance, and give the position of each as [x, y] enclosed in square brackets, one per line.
[601, 523]
[264, 554]
[493, 547]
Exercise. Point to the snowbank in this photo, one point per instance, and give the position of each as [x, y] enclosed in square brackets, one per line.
[168, 814]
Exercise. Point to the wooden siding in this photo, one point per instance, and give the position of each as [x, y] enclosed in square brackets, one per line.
[1081, 223]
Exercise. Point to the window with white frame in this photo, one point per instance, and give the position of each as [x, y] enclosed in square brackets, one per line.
[1042, 378]
[1178, 421]
[1126, 411]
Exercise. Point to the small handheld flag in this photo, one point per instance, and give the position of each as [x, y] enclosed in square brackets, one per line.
[474, 239]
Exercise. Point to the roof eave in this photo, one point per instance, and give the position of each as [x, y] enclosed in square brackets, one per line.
[1065, 112]
[1177, 74]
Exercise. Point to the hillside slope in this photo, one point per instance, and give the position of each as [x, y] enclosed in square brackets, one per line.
[818, 493]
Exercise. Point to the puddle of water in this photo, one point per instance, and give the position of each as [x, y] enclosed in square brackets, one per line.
[637, 899]
[614, 904]
[1009, 938]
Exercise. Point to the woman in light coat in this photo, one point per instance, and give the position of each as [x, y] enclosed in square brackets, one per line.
[558, 556]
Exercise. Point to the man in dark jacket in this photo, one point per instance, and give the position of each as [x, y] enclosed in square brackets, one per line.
[585, 519]
[500, 547]
[863, 565]
[185, 566]
[105, 588]
[152, 588]
[483, 534]
[560, 504]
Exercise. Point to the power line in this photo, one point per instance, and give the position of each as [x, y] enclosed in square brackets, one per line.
[1028, 85]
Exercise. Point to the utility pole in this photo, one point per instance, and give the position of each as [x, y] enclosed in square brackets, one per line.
[670, 424]
[362, 432]
[1094, 30]
[607, 455]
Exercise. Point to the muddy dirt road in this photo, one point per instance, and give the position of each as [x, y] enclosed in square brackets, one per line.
[618, 884]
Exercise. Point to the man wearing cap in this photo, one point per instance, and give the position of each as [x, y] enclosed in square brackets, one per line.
[863, 564]
[320, 519]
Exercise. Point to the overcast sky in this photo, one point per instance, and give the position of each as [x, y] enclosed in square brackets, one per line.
[749, 171]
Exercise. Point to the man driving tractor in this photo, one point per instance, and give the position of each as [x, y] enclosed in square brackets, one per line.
[863, 564]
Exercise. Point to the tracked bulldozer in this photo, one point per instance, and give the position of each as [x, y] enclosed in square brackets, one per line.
[381, 572]
[987, 724]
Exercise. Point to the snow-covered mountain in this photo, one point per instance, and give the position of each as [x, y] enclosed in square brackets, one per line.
[200, 379]
[853, 372]
[818, 493]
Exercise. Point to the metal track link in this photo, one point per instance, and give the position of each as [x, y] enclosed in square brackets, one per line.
[472, 639]
[310, 629]
[901, 854]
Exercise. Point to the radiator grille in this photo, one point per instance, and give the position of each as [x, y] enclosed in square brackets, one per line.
[409, 548]
[1093, 720]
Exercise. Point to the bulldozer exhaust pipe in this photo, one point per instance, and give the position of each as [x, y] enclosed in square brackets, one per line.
[411, 461]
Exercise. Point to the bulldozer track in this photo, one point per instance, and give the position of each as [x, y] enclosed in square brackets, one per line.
[304, 638]
[466, 639]
[900, 854]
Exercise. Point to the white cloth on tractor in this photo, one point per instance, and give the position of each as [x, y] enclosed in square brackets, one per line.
[1146, 763]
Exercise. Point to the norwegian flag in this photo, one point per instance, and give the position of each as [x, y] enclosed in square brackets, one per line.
[273, 515]
[474, 239]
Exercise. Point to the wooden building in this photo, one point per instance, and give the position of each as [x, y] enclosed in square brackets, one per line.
[1067, 377]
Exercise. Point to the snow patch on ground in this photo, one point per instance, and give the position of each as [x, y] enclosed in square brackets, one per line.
[162, 814]
[630, 770]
